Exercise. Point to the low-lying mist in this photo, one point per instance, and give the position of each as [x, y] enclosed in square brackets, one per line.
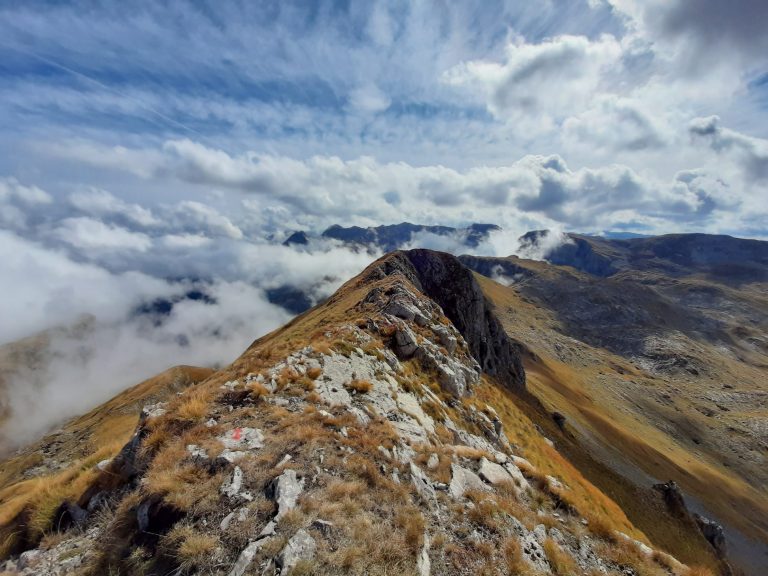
[110, 320]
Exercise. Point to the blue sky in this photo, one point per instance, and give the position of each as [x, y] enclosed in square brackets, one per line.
[146, 147]
[454, 107]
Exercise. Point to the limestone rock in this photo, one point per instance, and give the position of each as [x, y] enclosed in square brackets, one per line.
[232, 485]
[405, 342]
[287, 489]
[463, 480]
[422, 484]
[300, 547]
[493, 473]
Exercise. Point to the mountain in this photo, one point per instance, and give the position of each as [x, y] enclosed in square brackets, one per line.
[395, 428]
[395, 236]
[655, 351]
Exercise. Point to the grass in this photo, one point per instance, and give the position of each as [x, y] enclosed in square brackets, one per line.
[359, 386]
[194, 550]
[561, 562]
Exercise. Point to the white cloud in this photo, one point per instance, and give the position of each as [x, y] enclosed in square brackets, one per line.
[198, 216]
[101, 203]
[94, 235]
[548, 80]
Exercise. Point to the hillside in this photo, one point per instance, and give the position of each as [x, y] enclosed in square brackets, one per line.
[387, 431]
[655, 351]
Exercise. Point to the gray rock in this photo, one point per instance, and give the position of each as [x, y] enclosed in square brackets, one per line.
[153, 410]
[463, 480]
[534, 553]
[423, 485]
[300, 547]
[423, 564]
[242, 439]
[447, 340]
[405, 342]
[232, 485]
[433, 462]
[246, 557]
[287, 489]
[517, 476]
[493, 473]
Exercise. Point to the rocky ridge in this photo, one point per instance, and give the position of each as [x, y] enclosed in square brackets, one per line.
[366, 450]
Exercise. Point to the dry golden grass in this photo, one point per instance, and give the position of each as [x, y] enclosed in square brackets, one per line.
[561, 562]
[194, 550]
[359, 386]
[314, 372]
[258, 390]
[698, 571]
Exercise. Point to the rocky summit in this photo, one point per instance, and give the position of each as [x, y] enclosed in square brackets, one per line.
[392, 429]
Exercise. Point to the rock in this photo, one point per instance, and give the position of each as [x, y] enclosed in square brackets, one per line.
[268, 530]
[405, 342]
[197, 452]
[673, 498]
[300, 547]
[493, 473]
[463, 480]
[102, 465]
[422, 484]
[554, 484]
[517, 476]
[534, 553]
[447, 340]
[444, 279]
[29, 558]
[246, 557]
[540, 533]
[232, 485]
[433, 462]
[287, 489]
[242, 439]
[423, 564]
[153, 410]
[232, 456]
[714, 534]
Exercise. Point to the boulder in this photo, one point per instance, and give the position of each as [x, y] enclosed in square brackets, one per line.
[300, 547]
[287, 489]
[405, 343]
[714, 534]
[423, 485]
[493, 473]
[232, 485]
[463, 480]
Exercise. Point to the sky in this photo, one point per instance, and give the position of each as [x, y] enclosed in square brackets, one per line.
[149, 147]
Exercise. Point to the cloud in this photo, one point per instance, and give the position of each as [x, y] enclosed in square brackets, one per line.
[551, 79]
[750, 152]
[704, 31]
[89, 234]
[102, 203]
[191, 215]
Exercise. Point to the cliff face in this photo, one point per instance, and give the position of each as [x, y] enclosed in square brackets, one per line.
[444, 279]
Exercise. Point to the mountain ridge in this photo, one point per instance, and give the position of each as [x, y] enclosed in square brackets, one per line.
[363, 436]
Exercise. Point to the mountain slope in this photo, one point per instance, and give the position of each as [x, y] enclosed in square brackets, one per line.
[384, 431]
[659, 367]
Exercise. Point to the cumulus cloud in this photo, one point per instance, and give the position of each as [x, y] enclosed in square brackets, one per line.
[751, 153]
[102, 203]
[551, 79]
[89, 234]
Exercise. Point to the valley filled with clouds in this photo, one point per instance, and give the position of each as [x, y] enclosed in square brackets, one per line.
[159, 153]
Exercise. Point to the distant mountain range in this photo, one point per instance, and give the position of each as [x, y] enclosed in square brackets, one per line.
[395, 236]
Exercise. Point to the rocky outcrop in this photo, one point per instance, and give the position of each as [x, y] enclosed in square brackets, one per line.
[444, 279]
